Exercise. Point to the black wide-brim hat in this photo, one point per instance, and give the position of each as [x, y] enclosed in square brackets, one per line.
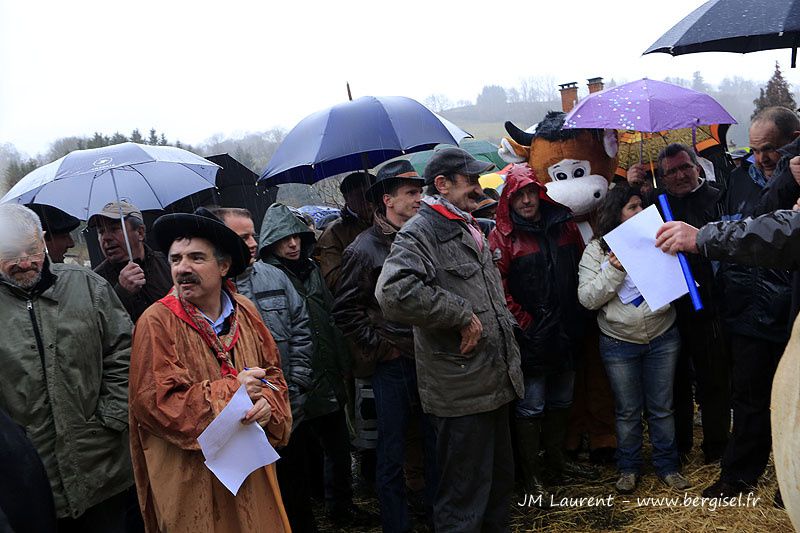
[392, 174]
[203, 224]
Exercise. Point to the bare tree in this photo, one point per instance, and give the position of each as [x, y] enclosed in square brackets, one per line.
[438, 103]
[328, 191]
[538, 89]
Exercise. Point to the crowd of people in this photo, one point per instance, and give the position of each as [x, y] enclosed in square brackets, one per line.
[431, 345]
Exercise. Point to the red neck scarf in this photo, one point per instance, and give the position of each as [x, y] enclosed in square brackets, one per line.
[221, 345]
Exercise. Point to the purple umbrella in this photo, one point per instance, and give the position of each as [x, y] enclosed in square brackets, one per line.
[649, 106]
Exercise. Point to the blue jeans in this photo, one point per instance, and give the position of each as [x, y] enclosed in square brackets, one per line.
[642, 377]
[553, 391]
[397, 403]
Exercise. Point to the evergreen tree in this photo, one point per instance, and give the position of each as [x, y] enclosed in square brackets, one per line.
[18, 169]
[163, 140]
[153, 139]
[136, 137]
[117, 138]
[776, 93]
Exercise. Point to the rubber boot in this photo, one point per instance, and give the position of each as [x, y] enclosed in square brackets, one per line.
[528, 437]
[554, 431]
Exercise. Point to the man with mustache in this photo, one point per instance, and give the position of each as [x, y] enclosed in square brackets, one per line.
[192, 351]
[138, 281]
[703, 342]
[440, 278]
[64, 352]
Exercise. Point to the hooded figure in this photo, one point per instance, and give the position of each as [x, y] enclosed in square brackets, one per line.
[537, 248]
[286, 243]
[538, 262]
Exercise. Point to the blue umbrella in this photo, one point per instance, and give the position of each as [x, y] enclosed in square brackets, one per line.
[83, 181]
[355, 135]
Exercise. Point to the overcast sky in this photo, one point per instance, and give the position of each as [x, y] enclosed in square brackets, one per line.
[195, 68]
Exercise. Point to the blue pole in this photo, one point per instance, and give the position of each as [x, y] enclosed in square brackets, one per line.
[687, 273]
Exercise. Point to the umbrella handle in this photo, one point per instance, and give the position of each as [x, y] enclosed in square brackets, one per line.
[122, 219]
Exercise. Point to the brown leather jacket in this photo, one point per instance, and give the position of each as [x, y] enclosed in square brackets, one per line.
[356, 311]
[331, 244]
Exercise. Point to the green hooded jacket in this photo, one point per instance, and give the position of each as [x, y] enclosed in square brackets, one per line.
[65, 353]
[331, 359]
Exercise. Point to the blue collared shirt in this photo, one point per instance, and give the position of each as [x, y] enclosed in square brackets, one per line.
[227, 309]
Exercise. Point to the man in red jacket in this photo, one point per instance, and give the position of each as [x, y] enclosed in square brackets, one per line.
[537, 247]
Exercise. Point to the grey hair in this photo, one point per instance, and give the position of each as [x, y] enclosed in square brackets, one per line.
[19, 229]
[674, 149]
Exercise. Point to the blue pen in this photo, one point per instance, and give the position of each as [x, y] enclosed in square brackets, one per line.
[687, 273]
[267, 383]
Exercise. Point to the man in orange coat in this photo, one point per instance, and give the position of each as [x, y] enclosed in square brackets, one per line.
[190, 351]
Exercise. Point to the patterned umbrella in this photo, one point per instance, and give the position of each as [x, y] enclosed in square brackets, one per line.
[641, 147]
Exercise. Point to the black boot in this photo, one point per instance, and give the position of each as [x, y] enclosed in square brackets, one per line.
[554, 431]
[528, 437]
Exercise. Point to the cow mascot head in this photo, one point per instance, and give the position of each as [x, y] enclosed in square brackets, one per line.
[575, 165]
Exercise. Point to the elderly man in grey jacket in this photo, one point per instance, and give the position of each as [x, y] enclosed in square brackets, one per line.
[440, 277]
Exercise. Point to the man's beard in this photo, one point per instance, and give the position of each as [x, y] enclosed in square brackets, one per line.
[26, 285]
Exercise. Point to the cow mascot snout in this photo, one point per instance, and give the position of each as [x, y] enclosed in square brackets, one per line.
[575, 165]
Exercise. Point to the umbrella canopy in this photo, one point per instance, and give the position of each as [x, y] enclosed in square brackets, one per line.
[481, 150]
[355, 135]
[734, 26]
[318, 212]
[637, 147]
[649, 106]
[83, 181]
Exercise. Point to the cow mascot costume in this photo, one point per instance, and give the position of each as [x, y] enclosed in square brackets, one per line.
[577, 167]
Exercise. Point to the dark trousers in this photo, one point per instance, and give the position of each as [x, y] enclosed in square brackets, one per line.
[331, 432]
[397, 402]
[108, 516]
[754, 365]
[704, 348]
[476, 472]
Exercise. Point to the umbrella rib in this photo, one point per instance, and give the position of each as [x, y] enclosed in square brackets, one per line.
[148, 184]
[214, 185]
[91, 188]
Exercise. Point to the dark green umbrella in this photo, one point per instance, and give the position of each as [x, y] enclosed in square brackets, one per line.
[481, 150]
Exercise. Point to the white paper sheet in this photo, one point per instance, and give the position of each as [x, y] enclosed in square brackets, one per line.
[234, 450]
[657, 275]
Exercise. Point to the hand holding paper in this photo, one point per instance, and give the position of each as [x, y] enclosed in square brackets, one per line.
[233, 450]
[657, 275]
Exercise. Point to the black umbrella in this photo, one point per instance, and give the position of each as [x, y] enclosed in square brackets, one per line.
[735, 26]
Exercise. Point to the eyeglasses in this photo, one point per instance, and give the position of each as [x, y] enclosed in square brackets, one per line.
[686, 167]
[32, 258]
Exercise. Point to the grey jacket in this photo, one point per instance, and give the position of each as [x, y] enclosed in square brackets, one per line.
[284, 312]
[65, 353]
[435, 278]
[597, 290]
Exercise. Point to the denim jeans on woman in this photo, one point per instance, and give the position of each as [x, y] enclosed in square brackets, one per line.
[642, 377]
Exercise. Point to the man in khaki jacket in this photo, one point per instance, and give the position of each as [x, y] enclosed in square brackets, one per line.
[65, 352]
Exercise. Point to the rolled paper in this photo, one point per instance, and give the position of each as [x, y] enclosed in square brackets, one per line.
[687, 273]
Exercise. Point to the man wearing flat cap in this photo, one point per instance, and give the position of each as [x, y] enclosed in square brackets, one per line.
[57, 226]
[356, 217]
[440, 278]
[139, 280]
[191, 351]
[384, 348]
